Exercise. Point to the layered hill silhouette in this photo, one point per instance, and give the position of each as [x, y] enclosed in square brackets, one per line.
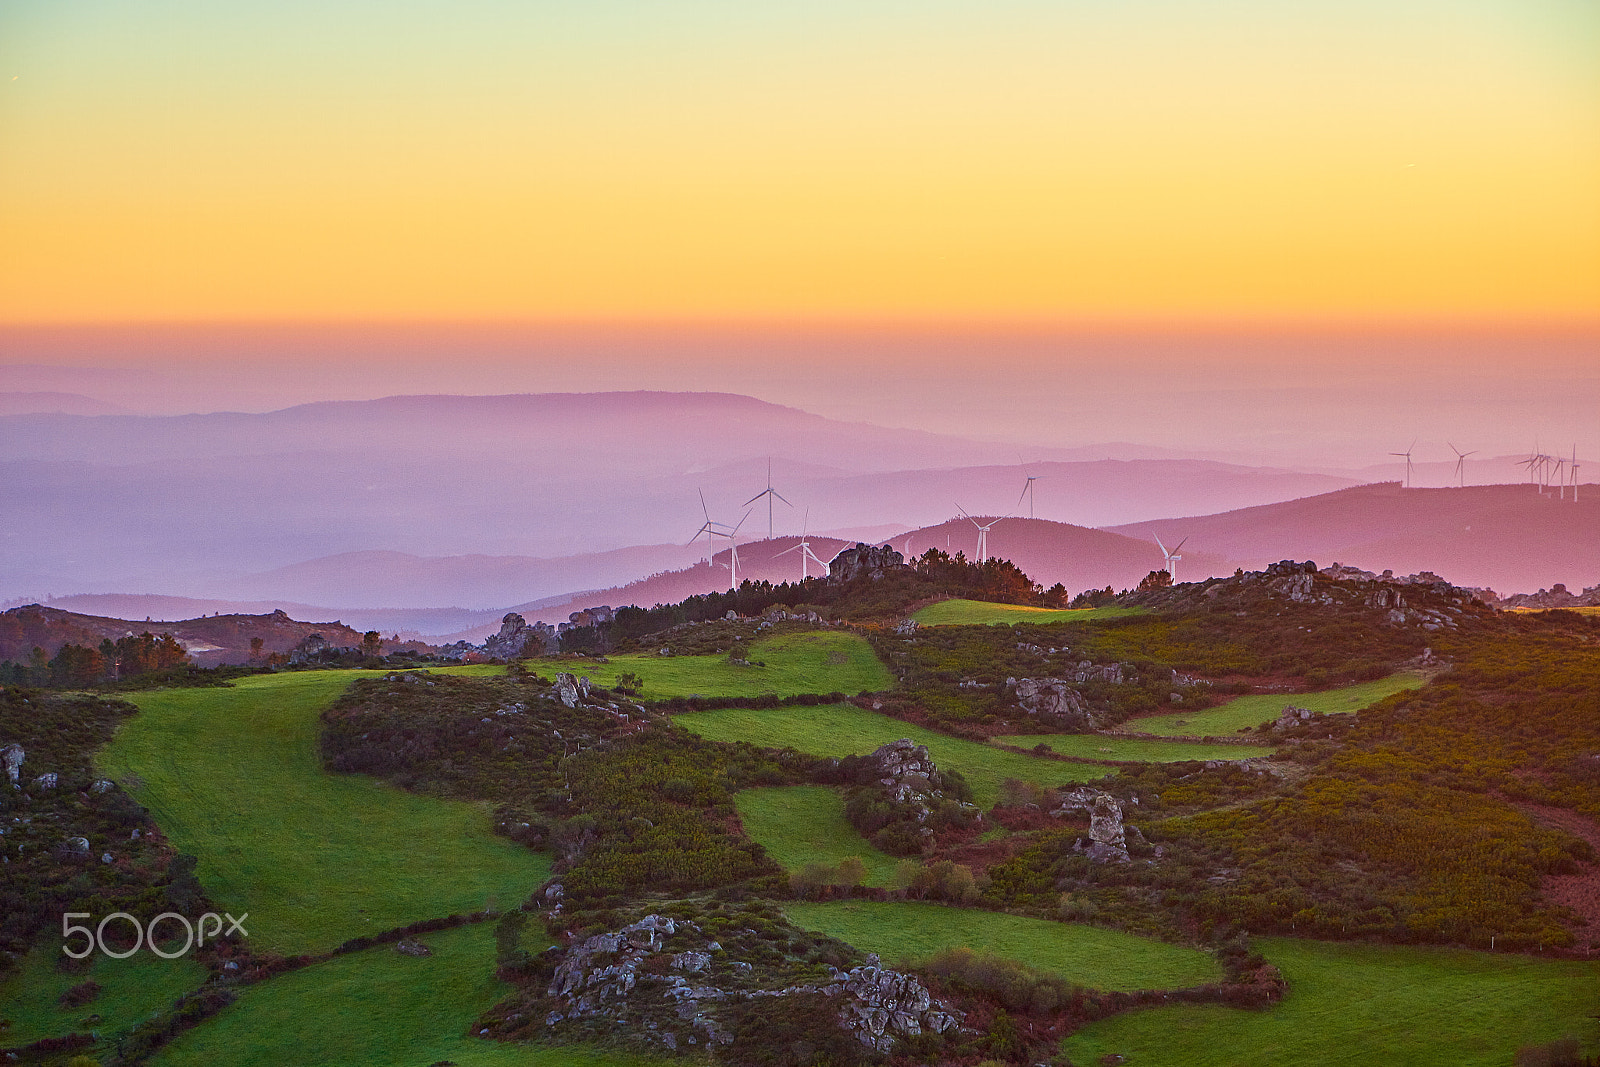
[1509, 538]
[1049, 552]
[229, 504]
[210, 640]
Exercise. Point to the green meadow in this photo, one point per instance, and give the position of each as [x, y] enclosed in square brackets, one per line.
[813, 661]
[1133, 750]
[983, 613]
[803, 824]
[1254, 710]
[377, 1008]
[1088, 955]
[233, 776]
[131, 989]
[846, 730]
[1358, 1005]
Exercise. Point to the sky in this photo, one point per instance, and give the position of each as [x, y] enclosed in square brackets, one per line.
[1003, 161]
[1246, 226]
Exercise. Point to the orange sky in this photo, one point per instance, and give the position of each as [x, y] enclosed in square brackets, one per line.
[1014, 161]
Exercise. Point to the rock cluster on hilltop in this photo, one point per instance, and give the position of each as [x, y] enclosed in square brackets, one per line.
[518, 638]
[1557, 596]
[1422, 600]
[667, 982]
[864, 561]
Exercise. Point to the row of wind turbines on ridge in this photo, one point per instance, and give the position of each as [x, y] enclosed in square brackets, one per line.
[713, 529]
[1545, 470]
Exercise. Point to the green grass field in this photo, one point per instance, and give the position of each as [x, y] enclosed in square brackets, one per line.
[804, 824]
[1256, 709]
[814, 661]
[1087, 955]
[846, 730]
[233, 777]
[1094, 746]
[983, 613]
[1360, 1005]
[132, 988]
[377, 1008]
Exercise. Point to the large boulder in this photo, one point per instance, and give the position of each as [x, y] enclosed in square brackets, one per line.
[1053, 701]
[517, 639]
[864, 561]
[1108, 838]
[11, 758]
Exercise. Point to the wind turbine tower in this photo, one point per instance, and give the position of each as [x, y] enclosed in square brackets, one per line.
[708, 528]
[983, 532]
[769, 493]
[1572, 469]
[1461, 464]
[804, 548]
[1173, 557]
[1027, 489]
[1407, 455]
[733, 554]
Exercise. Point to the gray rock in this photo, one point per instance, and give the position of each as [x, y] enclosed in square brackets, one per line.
[409, 947]
[11, 757]
[1054, 701]
[567, 689]
[518, 639]
[864, 561]
[46, 781]
[1293, 716]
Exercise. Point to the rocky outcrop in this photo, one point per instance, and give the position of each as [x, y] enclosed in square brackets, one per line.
[11, 758]
[1114, 673]
[880, 1005]
[517, 639]
[1423, 600]
[1557, 596]
[572, 689]
[1108, 838]
[1293, 716]
[665, 981]
[864, 561]
[595, 616]
[1053, 701]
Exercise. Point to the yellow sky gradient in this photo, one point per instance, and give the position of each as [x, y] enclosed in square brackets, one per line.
[1215, 163]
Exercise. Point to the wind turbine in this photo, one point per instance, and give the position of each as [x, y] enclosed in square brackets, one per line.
[769, 493]
[733, 554]
[1407, 455]
[983, 532]
[1461, 464]
[1027, 488]
[1173, 557]
[804, 548]
[709, 528]
[1572, 472]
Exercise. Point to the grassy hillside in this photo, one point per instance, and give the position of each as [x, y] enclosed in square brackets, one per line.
[377, 1008]
[805, 824]
[981, 613]
[233, 777]
[130, 989]
[1095, 746]
[846, 730]
[818, 661]
[1087, 955]
[1360, 1005]
[1256, 709]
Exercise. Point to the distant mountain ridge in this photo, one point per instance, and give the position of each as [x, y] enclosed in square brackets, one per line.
[239, 505]
[1509, 538]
